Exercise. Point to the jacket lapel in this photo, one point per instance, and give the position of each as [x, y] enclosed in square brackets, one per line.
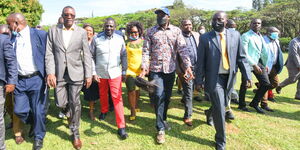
[215, 40]
[72, 37]
[60, 36]
[33, 41]
[228, 45]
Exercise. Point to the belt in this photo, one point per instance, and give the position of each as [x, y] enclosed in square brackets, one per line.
[28, 76]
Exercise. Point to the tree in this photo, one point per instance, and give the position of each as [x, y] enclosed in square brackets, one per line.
[31, 9]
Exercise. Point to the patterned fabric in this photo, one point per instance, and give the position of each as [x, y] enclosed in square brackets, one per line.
[160, 49]
[134, 58]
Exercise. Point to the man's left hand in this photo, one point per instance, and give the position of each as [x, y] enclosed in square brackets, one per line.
[248, 83]
[88, 82]
[188, 75]
[9, 88]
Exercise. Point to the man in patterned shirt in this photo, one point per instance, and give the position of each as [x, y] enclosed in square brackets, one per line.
[161, 45]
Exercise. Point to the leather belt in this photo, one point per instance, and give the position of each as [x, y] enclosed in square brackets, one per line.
[28, 76]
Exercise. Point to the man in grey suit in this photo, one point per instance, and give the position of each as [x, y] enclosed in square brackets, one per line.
[220, 53]
[68, 65]
[293, 66]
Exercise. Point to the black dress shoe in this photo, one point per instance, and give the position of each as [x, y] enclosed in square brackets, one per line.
[229, 115]
[209, 119]
[297, 98]
[244, 109]
[31, 132]
[102, 116]
[267, 108]
[122, 133]
[235, 101]
[257, 108]
[37, 145]
[278, 89]
[197, 98]
[271, 99]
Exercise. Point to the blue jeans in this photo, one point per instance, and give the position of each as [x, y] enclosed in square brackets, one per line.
[161, 97]
[187, 97]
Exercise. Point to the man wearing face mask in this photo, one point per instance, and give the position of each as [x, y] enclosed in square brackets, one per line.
[161, 45]
[275, 61]
[220, 53]
[111, 65]
[257, 56]
[30, 95]
[201, 30]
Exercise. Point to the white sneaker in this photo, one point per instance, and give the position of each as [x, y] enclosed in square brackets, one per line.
[160, 138]
[61, 115]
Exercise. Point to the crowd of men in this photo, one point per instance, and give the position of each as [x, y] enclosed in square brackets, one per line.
[33, 60]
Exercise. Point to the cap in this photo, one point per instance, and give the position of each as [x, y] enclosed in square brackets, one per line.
[163, 9]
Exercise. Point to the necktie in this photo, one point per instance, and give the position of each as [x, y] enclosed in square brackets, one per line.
[225, 60]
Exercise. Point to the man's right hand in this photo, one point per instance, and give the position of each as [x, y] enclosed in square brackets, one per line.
[199, 87]
[143, 73]
[257, 69]
[51, 80]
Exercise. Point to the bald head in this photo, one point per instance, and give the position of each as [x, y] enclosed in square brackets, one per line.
[4, 29]
[16, 22]
[219, 21]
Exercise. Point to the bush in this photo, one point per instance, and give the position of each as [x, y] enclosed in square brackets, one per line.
[284, 42]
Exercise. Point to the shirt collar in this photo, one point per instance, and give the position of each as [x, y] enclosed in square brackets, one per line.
[24, 31]
[168, 27]
[223, 32]
[71, 29]
[187, 35]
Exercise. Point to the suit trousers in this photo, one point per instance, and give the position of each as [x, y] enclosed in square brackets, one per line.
[2, 124]
[274, 81]
[187, 96]
[30, 103]
[294, 75]
[242, 92]
[67, 95]
[218, 97]
[17, 123]
[161, 96]
[115, 87]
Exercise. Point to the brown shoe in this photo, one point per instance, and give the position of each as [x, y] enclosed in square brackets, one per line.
[19, 139]
[188, 122]
[77, 143]
[91, 115]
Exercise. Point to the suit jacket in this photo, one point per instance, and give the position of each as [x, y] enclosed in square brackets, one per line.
[209, 59]
[254, 53]
[279, 62]
[293, 60]
[8, 61]
[76, 58]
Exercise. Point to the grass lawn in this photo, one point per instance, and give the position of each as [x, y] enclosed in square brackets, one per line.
[249, 131]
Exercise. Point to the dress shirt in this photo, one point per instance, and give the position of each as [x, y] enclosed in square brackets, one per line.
[67, 34]
[26, 64]
[221, 68]
[110, 53]
[160, 49]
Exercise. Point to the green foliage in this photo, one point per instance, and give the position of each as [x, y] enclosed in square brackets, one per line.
[284, 42]
[31, 9]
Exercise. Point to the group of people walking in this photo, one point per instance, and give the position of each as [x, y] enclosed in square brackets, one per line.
[72, 59]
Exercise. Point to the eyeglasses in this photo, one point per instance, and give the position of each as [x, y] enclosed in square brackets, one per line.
[67, 15]
[134, 32]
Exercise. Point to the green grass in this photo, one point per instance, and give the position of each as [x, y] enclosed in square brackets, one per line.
[249, 131]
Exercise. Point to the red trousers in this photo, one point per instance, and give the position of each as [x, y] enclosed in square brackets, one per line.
[115, 86]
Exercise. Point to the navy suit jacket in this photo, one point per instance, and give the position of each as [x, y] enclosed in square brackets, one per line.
[209, 59]
[38, 40]
[8, 62]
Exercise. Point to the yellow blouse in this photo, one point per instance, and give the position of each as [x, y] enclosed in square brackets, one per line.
[134, 58]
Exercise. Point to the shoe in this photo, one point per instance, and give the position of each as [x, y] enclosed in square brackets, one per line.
[179, 92]
[182, 101]
[267, 108]
[209, 119]
[257, 108]
[278, 89]
[297, 98]
[254, 91]
[111, 108]
[37, 145]
[160, 138]
[122, 133]
[61, 115]
[77, 143]
[271, 99]
[131, 118]
[188, 122]
[229, 115]
[244, 109]
[102, 116]
[19, 139]
[91, 115]
[167, 126]
[197, 98]
[9, 126]
[31, 132]
[235, 101]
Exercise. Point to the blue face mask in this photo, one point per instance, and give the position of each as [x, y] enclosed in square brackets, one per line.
[133, 39]
[14, 33]
[274, 35]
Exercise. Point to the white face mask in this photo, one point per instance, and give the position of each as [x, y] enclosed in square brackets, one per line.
[233, 29]
[202, 31]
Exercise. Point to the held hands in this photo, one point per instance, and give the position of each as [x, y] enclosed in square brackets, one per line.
[88, 82]
[9, 88]
[51, 80]
[257, 69]
[96, 78]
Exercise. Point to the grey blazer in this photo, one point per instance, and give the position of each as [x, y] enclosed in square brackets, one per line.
[293, 60]
[76, 58]
[209, 59]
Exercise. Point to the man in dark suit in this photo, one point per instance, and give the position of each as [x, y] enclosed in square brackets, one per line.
[220, 53]
[8, 78]
[30, 47]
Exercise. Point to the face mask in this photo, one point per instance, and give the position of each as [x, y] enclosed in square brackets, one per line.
[133, 39]
[218, 26]
[274, 35]
[232, 29]
[202, 31]
[162, 21]
[14, 33]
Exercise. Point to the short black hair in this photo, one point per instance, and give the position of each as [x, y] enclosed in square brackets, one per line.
[66, 8]
[109, 19]
[136, 24]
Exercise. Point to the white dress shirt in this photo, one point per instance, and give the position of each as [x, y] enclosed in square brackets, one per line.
[67, 34]
[26, 65]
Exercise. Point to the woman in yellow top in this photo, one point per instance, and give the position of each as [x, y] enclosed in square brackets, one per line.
[134, 47]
